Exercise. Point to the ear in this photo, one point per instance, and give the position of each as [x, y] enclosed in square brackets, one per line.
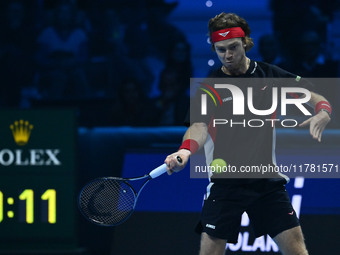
[244, 44]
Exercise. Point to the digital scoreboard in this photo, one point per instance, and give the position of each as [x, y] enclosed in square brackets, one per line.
[37, 180]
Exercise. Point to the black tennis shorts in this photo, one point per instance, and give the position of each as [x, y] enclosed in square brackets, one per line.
[266, 202]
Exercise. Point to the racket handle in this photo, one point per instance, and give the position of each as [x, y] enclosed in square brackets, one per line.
[162, 169]
[158, 171]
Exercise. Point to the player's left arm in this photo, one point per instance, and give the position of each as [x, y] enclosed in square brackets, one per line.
[319, 121]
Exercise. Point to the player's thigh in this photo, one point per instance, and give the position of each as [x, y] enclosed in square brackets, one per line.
[212, 245]
[291, 242]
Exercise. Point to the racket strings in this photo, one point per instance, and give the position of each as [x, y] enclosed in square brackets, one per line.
[107, 201]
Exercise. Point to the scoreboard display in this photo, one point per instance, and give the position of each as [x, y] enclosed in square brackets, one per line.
[37, 180]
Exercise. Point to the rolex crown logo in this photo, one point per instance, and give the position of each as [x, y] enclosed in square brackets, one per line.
[21, 131]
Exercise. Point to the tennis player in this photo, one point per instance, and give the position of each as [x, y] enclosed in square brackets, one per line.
[264, 199]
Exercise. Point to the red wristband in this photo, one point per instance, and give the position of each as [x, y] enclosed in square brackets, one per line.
[190, 145]
[323, 105]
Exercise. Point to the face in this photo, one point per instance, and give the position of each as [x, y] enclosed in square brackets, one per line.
[231, 53]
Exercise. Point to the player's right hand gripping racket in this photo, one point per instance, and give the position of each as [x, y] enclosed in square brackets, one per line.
[109, 201]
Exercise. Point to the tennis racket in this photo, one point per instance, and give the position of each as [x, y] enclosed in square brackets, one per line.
[110, 201]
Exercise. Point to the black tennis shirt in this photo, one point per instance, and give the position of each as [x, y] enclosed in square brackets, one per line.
[237, 141]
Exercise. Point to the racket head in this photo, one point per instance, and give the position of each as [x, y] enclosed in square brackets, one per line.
[107, 201]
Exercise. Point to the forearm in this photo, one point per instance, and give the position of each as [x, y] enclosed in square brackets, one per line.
[319, 103]
[197, 132]
[316, 98]
[193, 139]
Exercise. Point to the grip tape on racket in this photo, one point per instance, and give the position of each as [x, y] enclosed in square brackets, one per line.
[158, 171]
[162, 169]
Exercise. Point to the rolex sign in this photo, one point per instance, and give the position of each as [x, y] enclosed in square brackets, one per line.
[36, 139]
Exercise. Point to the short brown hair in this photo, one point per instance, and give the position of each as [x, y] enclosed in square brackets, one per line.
[228, 20]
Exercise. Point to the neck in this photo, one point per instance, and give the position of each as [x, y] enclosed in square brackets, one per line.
[238, 70]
